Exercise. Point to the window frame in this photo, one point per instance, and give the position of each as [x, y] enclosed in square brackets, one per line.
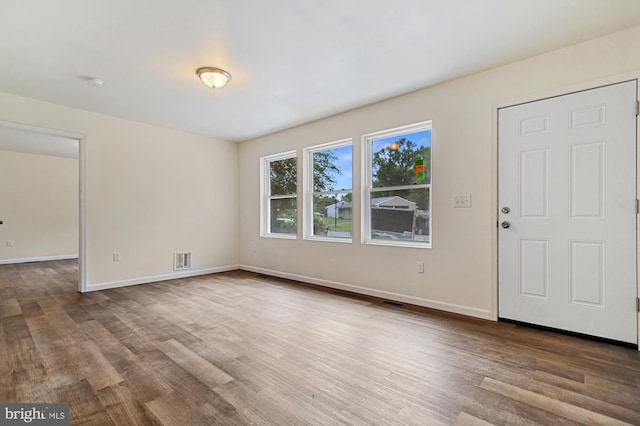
[307, 210]
[367, 185]
[265, 191]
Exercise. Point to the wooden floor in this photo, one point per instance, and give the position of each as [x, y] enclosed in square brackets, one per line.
[238, 348]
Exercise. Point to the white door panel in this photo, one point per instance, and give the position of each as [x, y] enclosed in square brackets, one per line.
[567, 174]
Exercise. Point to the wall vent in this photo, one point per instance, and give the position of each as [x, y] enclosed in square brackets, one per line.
[181, 260]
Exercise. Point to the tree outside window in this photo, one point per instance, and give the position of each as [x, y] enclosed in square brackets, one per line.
[279, 212]
[328, 195]
[397, 198]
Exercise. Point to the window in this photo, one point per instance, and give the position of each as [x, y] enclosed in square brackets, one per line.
[279, 187]
[397, 192]
[328, 210]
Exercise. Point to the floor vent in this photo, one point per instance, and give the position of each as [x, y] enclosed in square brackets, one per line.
[392, 303]
[181, 260]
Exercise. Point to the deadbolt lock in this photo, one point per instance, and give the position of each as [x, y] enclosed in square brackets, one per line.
[505, 210]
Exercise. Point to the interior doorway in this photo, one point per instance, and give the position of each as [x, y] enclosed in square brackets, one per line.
[43, 211]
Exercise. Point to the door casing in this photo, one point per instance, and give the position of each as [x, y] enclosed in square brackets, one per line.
[82, 243]
[532, 97]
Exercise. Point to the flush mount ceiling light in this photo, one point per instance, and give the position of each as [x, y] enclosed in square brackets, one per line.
[213, 77]
[93, 81]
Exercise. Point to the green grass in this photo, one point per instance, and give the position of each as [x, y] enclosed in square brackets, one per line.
[343, 225]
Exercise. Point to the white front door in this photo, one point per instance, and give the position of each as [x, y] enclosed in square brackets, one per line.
[567, 212]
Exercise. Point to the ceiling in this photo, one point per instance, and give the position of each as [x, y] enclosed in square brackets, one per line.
[292, 61]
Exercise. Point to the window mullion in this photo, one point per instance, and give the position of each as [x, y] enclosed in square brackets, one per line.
[338, 191]
[399, 188]
[280, 197]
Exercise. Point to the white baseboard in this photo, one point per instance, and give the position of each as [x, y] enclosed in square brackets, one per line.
[38, 259]
[156, 278]
[427, 303]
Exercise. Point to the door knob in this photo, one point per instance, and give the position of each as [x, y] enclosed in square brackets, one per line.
[505, 224]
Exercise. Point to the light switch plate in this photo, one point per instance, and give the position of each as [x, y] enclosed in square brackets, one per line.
[462, 201]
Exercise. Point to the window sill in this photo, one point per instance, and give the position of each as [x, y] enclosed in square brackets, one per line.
[330, 240]
[395, 243]
[280, 236]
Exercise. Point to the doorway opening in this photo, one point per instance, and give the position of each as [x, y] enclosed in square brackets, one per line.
[43, 208]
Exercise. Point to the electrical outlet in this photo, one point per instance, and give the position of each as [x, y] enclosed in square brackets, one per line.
[461, 201]
[9, 243]
[420, 267]
[116, 256]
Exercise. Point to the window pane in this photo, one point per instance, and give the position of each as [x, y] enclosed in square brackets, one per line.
[283, 176]
[400, 215]
[283, 216]
[402, 160]
[332, 169]
[332, 215]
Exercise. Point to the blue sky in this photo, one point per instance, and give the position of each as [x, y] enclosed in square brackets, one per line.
[421, 138]
[344, 154]
[344, 159]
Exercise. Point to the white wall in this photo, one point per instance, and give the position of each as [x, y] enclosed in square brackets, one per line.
[460, 269]
[39, 206]
[150, 191]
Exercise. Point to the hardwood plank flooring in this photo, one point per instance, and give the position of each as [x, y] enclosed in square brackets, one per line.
[241, 349]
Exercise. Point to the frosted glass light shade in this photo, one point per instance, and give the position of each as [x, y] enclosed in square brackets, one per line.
[213, 77]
